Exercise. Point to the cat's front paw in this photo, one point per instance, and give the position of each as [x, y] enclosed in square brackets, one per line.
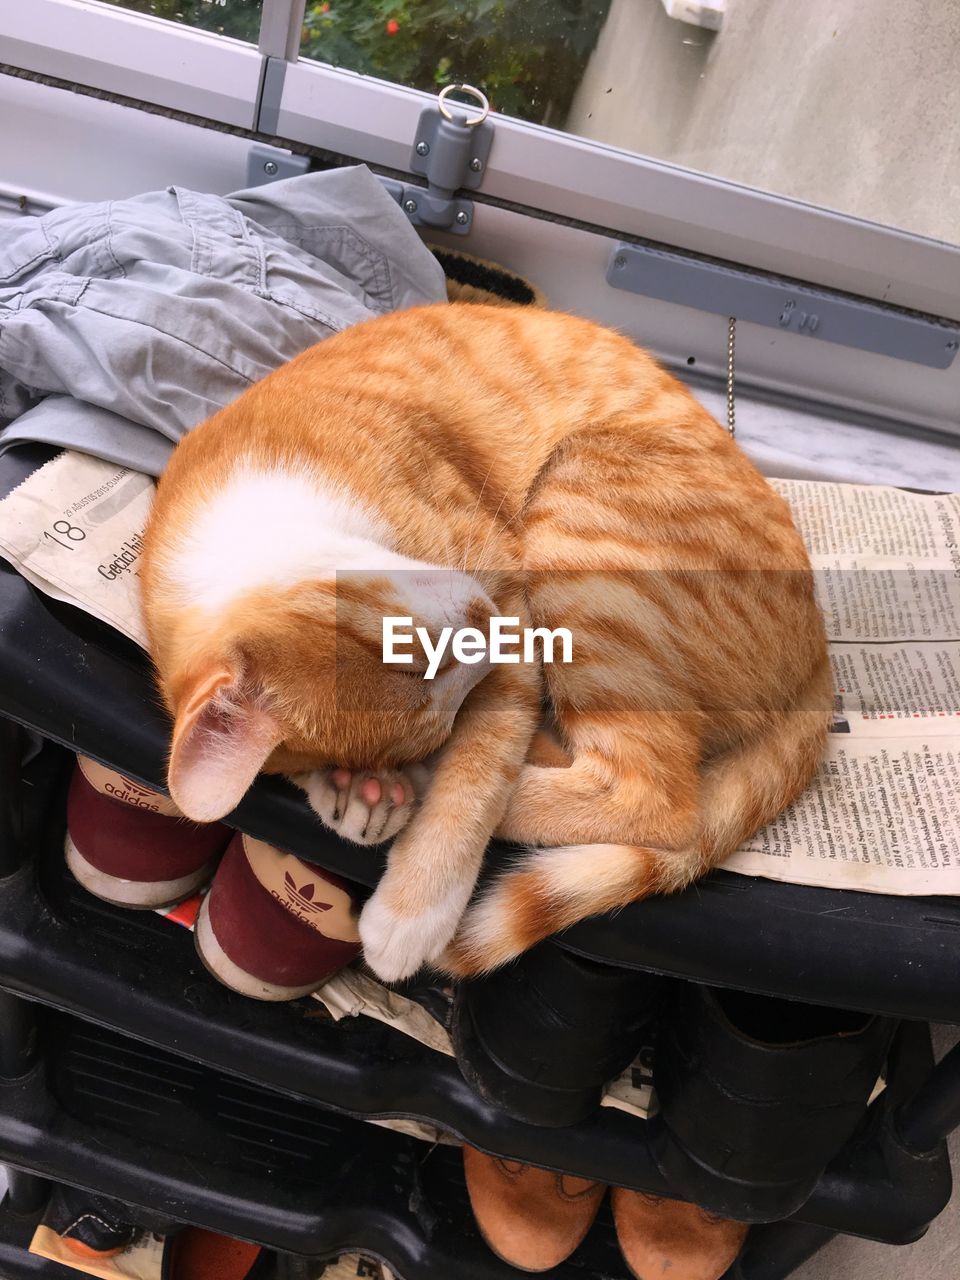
[397, 946]
[361, 805]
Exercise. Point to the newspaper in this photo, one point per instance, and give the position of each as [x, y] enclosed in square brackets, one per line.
[352, 993]
[883, 813]
[74, 529]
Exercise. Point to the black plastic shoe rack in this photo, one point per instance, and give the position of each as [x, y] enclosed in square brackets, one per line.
[125, 1068]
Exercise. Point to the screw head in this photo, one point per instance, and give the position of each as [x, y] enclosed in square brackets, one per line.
[476, 164]
[952, 346]
[462, 218]
[410, 206]
[422, 148]
[619, 261]
[270, 167]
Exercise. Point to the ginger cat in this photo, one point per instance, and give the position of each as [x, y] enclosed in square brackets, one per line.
[452, 463]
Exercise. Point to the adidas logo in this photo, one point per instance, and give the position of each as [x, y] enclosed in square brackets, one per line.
[132, 793]
[304, 895]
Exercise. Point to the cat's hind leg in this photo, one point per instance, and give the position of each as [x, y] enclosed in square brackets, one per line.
[643, 787]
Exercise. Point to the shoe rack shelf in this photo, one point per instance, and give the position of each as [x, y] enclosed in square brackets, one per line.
[187, 1141]
[896, 956]
[63, 948]
[145, 1080]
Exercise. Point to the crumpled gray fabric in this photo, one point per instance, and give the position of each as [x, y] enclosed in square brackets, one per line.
[124, 324]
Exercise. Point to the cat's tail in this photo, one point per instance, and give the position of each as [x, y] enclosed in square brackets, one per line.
[551, 889]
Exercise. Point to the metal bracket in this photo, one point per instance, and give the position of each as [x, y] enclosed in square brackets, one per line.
[451, 149]
[270, 164]
[780, 304]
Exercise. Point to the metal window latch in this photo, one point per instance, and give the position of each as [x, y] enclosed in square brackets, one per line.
[450, 150]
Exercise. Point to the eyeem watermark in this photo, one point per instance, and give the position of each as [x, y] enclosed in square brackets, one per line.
[506, 642]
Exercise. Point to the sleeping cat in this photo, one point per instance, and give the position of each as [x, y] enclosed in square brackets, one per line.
[449, 464]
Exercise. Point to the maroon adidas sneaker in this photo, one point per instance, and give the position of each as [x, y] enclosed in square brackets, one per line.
[132, 846]
[273, 927]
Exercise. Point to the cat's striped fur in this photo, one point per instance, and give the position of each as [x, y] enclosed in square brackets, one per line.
[577, 484]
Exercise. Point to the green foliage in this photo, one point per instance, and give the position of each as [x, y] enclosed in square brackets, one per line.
[526, 55]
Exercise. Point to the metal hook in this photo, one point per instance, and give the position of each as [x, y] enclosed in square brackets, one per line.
[471, 121]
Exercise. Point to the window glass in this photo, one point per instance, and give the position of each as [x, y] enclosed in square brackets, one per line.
[528, 56]
[237, 18]
[853, 107]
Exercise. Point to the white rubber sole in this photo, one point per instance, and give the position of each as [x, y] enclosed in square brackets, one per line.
[217, 962]
[144, 895]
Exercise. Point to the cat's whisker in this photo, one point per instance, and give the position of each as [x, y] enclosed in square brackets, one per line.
[478, 568]
[448, 537]
[473, 513]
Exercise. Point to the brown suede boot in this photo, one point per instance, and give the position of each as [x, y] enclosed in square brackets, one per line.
[529, 1217]
[658, 1236]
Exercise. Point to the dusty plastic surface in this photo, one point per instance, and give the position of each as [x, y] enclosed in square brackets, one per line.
[201, 1146]
[139, 974]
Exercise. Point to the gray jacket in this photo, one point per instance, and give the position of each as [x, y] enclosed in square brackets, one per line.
[123, 325]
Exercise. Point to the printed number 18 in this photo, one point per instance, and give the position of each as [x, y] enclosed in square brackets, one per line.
[66, 530]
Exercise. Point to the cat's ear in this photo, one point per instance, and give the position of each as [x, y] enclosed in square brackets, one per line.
[221, 740]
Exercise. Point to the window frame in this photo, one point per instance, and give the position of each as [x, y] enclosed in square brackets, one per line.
[136, 56]
[551, 172]
[546, 178]
[546, 171]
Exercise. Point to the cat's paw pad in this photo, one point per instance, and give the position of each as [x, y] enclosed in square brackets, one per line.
[361, 805]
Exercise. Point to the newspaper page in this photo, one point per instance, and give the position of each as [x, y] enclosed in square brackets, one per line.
[883, 813]
[354, 1266]
[74, 528]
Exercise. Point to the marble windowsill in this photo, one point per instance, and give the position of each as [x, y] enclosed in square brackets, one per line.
[788, 443]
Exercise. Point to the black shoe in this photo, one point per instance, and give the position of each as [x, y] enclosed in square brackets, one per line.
[91, 1226]
[757, 1095]
[541, 1037]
